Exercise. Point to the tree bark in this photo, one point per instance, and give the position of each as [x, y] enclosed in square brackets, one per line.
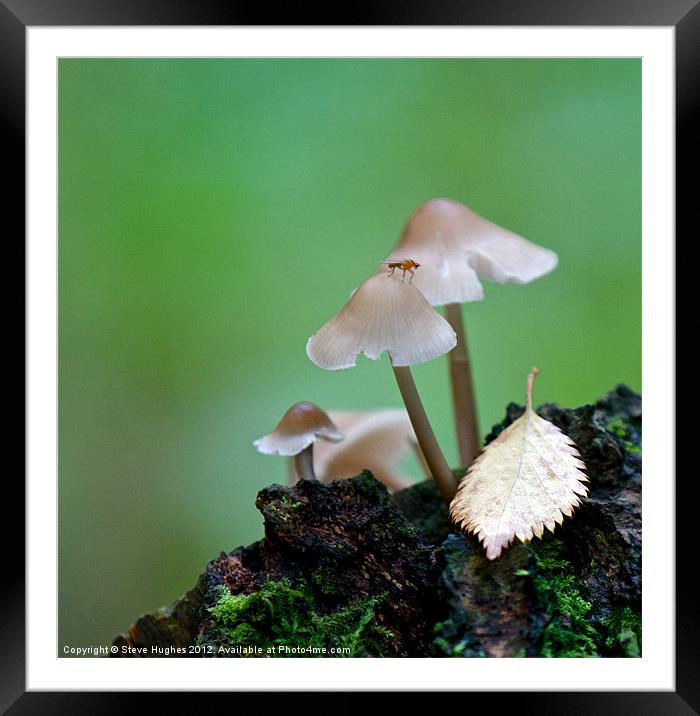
[348, 564]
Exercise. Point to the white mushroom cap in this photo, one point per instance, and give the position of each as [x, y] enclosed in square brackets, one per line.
[300, 426]
[383, 314]
[375, 440]
[456, 247]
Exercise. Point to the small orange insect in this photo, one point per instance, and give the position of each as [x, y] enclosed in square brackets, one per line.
[405, 265]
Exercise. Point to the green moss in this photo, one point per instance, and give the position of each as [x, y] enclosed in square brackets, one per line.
[288, 502]
[620, 429]
[622, 632]
[281, 619]
[325, 580]
[450, 640]
[569, 631]
[576, 627]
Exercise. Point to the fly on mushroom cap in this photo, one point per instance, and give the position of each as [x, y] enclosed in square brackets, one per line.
[299, 427]
[384, 313]
[456, 247]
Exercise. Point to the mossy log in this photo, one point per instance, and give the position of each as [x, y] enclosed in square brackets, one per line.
[346, 569]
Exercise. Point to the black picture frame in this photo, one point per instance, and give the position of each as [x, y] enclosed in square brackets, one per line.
[17, 15]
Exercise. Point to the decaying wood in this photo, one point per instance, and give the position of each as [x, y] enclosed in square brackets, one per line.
[432, 590]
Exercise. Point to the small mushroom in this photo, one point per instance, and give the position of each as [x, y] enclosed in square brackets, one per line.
[386, 314]
[456, 247]
[300, 427]
[375, 440]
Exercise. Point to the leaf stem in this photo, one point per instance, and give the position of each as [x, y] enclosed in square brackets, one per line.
[530, 382]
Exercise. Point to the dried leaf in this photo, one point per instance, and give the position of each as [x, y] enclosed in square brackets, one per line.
[527, 479]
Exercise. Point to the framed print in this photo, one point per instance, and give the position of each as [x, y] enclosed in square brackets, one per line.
[221, 217]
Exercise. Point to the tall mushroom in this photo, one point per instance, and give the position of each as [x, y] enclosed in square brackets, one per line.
[300, 427]
[385, 313]
[375, 440]
[456, 247]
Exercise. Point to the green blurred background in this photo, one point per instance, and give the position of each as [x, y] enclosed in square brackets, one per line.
[213, 214]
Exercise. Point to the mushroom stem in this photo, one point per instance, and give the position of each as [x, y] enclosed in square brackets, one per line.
[421, 460]
[424, 433]
[291, 471]
[463, 400]
[304, 463]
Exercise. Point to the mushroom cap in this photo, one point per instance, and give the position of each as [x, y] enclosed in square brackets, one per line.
[384, 313]
[456, 247]
[302, 425]
[375, 440]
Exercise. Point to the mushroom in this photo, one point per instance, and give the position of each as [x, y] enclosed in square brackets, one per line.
[456, 247]
[300, 427]
[385, 313]
[375, 440]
